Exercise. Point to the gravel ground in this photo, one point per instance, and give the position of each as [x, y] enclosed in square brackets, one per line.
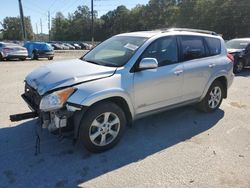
[178, 148]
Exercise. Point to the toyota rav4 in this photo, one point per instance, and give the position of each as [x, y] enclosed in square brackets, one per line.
[127, 77]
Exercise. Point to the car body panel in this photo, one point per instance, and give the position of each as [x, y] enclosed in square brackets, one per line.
[50, 77]
[9, 51]
[41, 49]
[155, 88]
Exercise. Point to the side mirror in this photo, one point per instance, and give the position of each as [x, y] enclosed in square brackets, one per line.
[148, 63]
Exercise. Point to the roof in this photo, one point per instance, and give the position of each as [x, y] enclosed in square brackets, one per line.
[172, 31]
[146, 34]
[36, 42]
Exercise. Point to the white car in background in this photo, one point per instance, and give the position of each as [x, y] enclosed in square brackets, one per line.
[12, 51]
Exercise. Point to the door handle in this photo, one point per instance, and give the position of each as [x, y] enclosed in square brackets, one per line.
[178, 72]
[212, 65]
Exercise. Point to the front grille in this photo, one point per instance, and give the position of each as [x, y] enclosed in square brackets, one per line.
[32, 97]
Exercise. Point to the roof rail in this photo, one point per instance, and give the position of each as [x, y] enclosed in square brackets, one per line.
[191, 30]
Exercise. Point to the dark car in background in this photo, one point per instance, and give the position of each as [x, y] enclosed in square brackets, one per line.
[12, 51]
[240, 49]
[57, 46]
[39, 50]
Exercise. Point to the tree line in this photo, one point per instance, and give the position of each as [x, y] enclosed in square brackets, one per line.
[228, 17]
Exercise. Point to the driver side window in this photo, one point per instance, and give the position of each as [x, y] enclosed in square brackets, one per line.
[164, 50]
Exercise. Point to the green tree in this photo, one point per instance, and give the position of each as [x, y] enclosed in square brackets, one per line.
[59, 27]
[12, 28]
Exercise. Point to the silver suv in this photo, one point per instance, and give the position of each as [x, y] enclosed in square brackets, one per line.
[127, 77]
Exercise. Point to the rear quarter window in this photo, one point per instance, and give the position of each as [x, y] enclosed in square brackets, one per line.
[214, 46]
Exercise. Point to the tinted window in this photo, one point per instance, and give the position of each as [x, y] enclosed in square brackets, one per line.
[214, 46]
[164, 50]
[45, 47]
[192, 47]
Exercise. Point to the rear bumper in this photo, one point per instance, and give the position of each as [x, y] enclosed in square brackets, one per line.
[14, 55]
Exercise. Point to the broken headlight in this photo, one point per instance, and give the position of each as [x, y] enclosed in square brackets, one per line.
[55, 100]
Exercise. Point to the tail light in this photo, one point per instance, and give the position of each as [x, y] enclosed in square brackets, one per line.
[231, 57]
[6, 50]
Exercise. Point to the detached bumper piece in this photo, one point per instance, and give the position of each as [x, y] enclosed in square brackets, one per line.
[19, 117]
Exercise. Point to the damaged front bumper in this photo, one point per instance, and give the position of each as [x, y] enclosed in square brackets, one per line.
[69, 116]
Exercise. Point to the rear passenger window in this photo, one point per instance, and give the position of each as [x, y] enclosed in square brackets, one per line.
[164, 50]
[192, 47]
[214, 46]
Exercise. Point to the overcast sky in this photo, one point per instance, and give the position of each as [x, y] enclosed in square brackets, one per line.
[37, 9]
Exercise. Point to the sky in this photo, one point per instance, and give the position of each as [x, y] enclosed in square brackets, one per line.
[38, 9]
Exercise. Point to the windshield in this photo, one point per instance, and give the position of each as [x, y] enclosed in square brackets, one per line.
[237, 44]
[115, 51]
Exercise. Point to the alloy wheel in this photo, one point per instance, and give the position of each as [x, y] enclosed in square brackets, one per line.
[104, 129]
[215, 97]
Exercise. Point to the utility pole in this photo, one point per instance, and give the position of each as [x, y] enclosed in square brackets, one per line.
[92, 22]
[22, 20]
[49, 23]
[41, 25]
[36, 32]
[36, 29]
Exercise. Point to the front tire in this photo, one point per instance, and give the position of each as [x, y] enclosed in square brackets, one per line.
[102, 126]
[213, 98]
[50, 58]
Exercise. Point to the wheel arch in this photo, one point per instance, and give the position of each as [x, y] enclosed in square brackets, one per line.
[122, 103]
[222, 79]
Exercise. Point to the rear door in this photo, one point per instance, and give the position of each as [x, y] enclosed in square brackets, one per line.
[199, 63]
[160, 87]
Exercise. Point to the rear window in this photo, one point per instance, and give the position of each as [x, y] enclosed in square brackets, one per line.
[192, 47]
[43, 46]
[46, 47]
[214, 46]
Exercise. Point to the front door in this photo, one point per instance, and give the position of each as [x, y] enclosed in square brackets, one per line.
[162, 86]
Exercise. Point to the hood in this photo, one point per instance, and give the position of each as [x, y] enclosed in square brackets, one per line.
[66, 73]
[231, 50]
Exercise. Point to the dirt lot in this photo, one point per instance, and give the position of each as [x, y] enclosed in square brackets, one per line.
[178, 148]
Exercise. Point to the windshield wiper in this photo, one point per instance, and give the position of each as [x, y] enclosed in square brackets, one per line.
[102, 63]
[89, 61]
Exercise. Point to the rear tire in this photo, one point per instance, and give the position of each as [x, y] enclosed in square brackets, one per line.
[22, 59]
[238, 66]
[102, 126]
[1, 57]
[50, 58]
[213, 98]
[34, 56]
